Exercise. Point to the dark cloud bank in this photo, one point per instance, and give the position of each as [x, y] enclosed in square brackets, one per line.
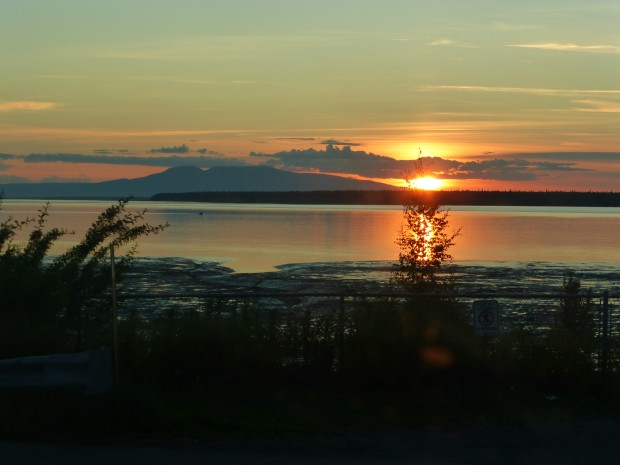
[341, 159]
[200, 161]
[345, 160]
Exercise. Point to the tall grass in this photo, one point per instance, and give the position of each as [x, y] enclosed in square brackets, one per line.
[228, 366]
[384, 342]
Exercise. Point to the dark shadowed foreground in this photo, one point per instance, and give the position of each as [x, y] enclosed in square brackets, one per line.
[219, 380]
[561, 442]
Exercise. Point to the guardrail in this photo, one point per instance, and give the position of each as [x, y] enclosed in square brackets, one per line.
[89, 372]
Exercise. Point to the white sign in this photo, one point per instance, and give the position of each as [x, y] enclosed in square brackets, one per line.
[486, 317]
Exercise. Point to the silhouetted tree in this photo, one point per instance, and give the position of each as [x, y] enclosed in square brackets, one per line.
[575, 314]
[571, 342]
[424, 240]
[54, 303]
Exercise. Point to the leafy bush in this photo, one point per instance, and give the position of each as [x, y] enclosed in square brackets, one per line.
[424, 244]
[52, 304]
[424, 241]
[396, 342]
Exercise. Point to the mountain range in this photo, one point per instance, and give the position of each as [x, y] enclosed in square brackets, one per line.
[191, 179]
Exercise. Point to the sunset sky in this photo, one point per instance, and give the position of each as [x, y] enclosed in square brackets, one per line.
[495, 94]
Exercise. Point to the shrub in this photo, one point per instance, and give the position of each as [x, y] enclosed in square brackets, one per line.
[54, 303]
[424, 241]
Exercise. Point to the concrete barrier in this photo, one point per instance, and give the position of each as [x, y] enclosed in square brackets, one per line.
[91, 371]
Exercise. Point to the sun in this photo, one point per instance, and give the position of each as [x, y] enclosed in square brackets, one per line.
[426, 183]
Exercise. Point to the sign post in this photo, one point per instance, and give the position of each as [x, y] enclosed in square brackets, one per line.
[486, 317]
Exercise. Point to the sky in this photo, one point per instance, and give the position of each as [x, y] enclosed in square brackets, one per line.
[489, 94]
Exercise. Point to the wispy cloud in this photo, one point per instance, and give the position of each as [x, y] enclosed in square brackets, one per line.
[442, 42]
[508, 169]
[205, 151]
[164, 161]
[26, 105]
[164, 79]
[339, 142]
[586, 100]
[113, 152]
[599, 106]
[605, 48]
[569, 156]
[450, 43]
[520, 90]
[103, 133]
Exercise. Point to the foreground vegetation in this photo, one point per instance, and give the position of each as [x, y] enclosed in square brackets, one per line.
[244, 366]
[230, 368]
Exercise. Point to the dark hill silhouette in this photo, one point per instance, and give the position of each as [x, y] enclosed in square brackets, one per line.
[192, 179]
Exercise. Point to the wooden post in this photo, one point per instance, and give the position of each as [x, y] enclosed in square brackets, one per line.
[114, 314]
[341, 320]
[605, 336]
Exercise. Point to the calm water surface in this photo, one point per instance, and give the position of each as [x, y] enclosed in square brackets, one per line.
[252, 238]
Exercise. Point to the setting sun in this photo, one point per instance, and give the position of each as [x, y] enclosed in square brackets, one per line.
[426, 183]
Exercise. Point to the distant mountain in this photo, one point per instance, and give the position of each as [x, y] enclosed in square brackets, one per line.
[191, 179]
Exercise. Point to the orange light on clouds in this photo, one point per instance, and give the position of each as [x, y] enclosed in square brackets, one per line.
[413, 150]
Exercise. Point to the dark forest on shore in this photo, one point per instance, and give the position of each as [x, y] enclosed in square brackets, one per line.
[398, 197]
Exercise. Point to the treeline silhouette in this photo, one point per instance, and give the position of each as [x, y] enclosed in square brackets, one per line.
[400, 197]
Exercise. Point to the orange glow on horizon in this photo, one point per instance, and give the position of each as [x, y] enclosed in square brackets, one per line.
[426, 183]
[79, 172]
[411, 151]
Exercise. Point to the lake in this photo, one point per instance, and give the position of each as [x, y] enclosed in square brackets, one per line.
[254, 238]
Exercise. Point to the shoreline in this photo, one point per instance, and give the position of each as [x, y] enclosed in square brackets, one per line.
[188, 275]
[403, 196]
